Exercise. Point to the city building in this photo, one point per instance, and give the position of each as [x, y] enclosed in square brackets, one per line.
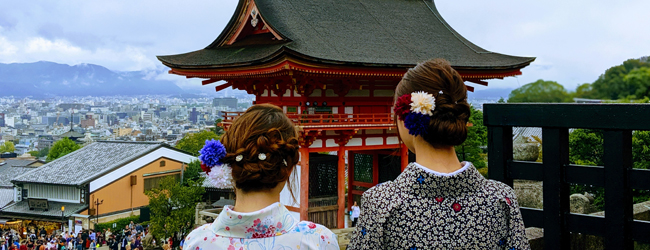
[225, 102]
[336, 87]
[100, 182]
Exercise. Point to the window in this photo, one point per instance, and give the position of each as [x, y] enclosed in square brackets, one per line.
[154, 182]
[162, 163]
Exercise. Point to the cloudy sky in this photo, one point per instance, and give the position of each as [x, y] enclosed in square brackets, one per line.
[574, 41]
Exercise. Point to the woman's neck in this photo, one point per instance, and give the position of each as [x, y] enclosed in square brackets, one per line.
[439, 159]
[247, 202]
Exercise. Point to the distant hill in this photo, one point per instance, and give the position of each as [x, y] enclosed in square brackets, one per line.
[46, 79]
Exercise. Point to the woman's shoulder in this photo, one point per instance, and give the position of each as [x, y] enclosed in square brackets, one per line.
[383, 192]
[499, 190]
[324, 234]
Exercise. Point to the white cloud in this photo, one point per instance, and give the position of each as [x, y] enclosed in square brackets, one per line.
[574, 41]
[6, 47]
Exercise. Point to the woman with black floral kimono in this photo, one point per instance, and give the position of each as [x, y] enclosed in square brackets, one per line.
[438, 202]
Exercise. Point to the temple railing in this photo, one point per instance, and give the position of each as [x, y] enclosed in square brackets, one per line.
[329, 120]
[617, 177]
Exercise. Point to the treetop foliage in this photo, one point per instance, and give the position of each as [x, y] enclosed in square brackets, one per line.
[540, 91]
[192, 143]
[61, 148]
[173, 206]
[7, 147]
[624, 83]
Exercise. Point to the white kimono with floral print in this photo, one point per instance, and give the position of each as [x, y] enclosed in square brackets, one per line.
[271, 228]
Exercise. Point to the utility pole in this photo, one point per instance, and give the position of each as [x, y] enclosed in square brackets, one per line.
[97, 203]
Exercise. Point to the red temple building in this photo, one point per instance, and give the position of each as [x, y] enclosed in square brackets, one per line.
[333, 65]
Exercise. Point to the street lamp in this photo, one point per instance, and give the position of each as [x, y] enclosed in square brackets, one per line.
[62, 218]
[97, 203]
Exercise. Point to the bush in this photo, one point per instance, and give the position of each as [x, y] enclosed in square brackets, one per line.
[119, 223]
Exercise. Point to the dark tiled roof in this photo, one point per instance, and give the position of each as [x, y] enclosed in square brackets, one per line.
[6, 196]
[8, 172]
[22, 208]
[19, 162]
[360, 32]
[88, 163]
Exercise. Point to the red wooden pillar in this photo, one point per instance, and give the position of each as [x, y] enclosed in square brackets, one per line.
[350, 179]
[341, 187]
[404, 151]
[304, 183]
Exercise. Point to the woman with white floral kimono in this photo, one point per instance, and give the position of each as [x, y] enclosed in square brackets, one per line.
[257, 154]
[438, 202]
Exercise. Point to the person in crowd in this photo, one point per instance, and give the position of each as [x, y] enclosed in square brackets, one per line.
[124, 241]
[258, 153]
[112, 242]
[79, 242]
[438, 202]
[354, 214]
[3, 242]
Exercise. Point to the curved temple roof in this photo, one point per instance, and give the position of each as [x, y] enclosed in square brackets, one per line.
[381, 33]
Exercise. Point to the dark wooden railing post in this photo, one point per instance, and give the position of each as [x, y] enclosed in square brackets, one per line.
[499, 153]
[618, 197]
[556, 190]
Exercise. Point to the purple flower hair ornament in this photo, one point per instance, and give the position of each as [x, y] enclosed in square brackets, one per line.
[212, 153]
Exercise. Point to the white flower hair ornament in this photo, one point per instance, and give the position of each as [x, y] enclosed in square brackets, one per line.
[415, 110]
[219, 173]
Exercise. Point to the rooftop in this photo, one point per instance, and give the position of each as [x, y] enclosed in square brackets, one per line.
[89, 162]
[384, 33]
[22, 208]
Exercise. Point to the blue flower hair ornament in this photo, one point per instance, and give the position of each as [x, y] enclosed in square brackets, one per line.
[212, 154]
[415, 110]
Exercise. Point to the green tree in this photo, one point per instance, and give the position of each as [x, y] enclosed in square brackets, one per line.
[639, 79]
[540, 91]
[191, 173]
[612, 84]
[585, 91]
[7, 147]
[61, 148]
[586, 147]
[218, 130]
[172, 206]
[43, 152]
[192, 143]
[471, 150]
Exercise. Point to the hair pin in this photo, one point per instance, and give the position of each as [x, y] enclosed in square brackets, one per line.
[239, 158]
[285, 162]
[440, 93]
[262, 156]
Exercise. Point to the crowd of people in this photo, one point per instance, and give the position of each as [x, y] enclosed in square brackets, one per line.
[57, 240]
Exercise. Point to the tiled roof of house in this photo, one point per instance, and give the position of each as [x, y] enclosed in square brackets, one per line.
[88, 163]
[8, 172]
[6, 196]
[22, 208]
[394, 33]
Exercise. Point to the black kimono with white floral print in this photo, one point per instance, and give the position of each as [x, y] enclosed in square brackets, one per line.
[421, 210]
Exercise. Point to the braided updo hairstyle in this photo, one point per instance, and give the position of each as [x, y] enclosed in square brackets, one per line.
[262, 129]
[448, 126]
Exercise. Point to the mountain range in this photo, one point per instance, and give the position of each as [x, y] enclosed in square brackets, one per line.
[47, 79]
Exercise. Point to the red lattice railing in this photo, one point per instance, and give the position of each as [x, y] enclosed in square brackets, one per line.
[326, 120]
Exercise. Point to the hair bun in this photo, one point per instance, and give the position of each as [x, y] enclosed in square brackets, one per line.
[448, 126]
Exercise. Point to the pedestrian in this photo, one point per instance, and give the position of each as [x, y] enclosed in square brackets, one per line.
[437, 202]
[354, 214]
[257, 154]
